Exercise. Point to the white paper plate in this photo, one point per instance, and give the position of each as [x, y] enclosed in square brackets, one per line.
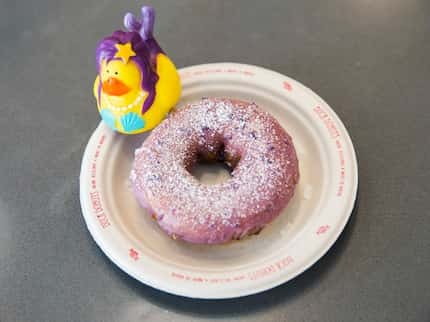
[306, 229]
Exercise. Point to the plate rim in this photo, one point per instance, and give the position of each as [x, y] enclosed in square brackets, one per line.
[330, 241]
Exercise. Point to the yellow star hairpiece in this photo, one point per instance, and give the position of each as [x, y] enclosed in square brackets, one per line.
[124, 52]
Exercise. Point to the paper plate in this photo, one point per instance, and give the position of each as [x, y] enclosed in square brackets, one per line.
[305, 230]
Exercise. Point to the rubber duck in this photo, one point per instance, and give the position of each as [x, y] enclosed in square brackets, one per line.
[136, 84]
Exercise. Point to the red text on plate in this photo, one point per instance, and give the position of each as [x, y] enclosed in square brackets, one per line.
[133, 254]
[287, 86]
[323, 229]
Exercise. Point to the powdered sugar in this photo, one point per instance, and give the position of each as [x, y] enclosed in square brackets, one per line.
[261, 185]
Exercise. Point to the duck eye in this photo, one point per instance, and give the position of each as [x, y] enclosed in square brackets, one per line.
[116, 73]
[107, 71]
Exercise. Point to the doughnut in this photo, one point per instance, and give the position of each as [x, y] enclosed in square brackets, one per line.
[258, 151]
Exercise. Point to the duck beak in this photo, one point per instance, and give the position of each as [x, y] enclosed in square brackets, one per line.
[114, 87]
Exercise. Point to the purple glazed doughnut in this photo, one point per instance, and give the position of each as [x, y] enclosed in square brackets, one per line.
[259, 151]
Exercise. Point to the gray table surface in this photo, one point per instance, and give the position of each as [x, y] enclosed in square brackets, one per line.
[368, 59]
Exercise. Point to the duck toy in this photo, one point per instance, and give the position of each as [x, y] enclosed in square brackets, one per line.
[136, 84]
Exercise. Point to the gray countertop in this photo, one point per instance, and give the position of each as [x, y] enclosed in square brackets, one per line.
[368, 59]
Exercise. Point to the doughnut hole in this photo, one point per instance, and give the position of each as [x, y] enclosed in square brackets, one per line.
[212, 163]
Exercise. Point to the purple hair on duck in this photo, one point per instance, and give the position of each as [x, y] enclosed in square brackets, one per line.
[140, 36]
